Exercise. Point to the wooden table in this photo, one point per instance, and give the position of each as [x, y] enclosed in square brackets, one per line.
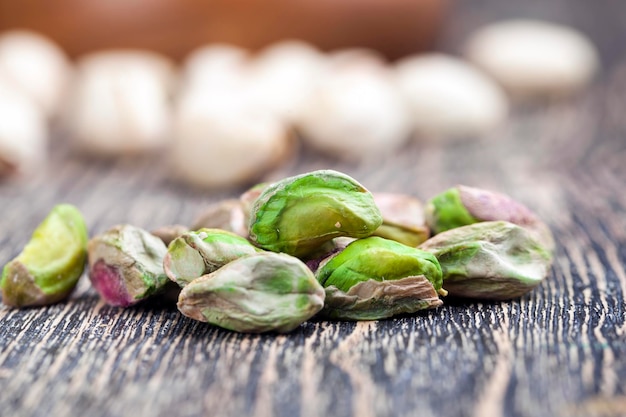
[559, 351]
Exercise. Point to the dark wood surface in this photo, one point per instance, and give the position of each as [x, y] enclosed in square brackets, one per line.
[559, 351]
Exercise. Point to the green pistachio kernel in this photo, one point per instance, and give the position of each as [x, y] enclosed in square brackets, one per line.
[48, 268]
[126, 265]
[256, 293]
[298, 214]
[201, 252]
[490, 260]
[375, 278]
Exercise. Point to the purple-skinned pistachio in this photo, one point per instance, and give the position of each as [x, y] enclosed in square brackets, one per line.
[463, 205]
[126, 265]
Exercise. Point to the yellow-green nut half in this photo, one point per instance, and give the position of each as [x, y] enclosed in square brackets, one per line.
[463, 205]
[257, 293]
[126, 265]
[490, 260]
[49, 266]
[376, 278]
[298, 214]
[201, 252]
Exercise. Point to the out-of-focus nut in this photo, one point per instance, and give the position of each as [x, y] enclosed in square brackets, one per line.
[23, 132]
[283, 76]
[119, 103]
[533, 57]
[222, 139]
[449, 98]
[215, 66]
[36, 66]
[355, 113]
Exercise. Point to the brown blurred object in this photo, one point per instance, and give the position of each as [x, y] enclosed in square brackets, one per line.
[175, 27]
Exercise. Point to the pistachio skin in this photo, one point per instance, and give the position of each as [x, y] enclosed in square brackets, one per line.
[403, 218]
[226, 215]
[298, 214]
[375, 278]
[495, 260]
[254, 294]
[126, 265]
[463, 205]
[203, 251]
[51, 263]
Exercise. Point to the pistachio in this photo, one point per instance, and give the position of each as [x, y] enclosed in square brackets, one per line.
[200, 252]
[375, 278]
[254, 294]
[226, 215]
[494, 260]
[300, 213]
[169, 232]
[403, 218]
[126, 265]
[462, 205]
[49, 266]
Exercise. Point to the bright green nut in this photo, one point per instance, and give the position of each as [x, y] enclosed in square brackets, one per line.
[51, 263]
[376, 278]
[256, 293]
[201, 252]
[298, 214]
[490, 260]
[126, 265]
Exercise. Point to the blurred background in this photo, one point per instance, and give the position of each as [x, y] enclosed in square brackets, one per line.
[225, 93]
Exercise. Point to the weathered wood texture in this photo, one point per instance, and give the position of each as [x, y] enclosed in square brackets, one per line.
[559, 351]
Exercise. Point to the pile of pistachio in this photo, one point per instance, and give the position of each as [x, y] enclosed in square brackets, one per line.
[313, 244]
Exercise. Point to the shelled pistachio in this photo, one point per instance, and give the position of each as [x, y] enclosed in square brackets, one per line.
[201, 252]
[49, 266]
[256, 293]
[126, 265]
[495, 260]
[462, 205]
[403, 218]
[375, 278]
[298, 214]
[169, 232]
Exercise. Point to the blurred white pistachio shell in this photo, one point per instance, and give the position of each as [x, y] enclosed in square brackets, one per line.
[36, 66]
[447, 97]
[120, 102]
[355, 113]
[23, 132]
[222, 140]
[534, 58]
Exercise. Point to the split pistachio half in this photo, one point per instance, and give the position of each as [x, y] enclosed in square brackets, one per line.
[49, 266]
[490, 260]
[298, 214]
[256, 293]
[203, 251]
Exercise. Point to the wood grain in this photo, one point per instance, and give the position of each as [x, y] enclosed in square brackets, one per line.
[559, 351]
